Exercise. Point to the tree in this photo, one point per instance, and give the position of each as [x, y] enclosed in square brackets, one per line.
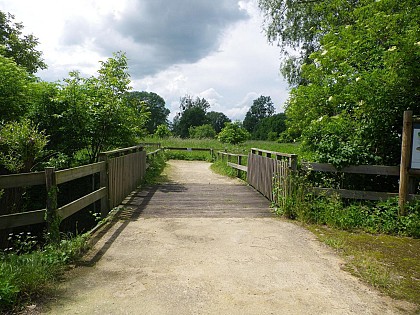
[364, 75]
[14, 90]
[202, 132]
[261, 108]
[21, 144]
[299, 25]
[156, 106]
[187, 102]
[233, 133]
[91, 114]
[269, 128]
[162, 131]
[21, 48]
[191, 117]
[193, 113]
[217, 120]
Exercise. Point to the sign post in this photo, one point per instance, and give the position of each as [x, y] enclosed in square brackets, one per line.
[406, 151]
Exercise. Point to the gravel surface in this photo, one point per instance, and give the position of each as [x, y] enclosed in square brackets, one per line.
[213, 265]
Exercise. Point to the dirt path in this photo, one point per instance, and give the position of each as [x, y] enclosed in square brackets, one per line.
[210, 264]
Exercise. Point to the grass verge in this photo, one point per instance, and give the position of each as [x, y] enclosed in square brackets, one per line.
[27, 276]
[389, 263]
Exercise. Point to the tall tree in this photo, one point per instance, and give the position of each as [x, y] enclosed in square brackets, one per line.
[156, 106]
[14, 90]
[187, 102]
[192, 113]
[261, 108]
[362, 78]
[191, 117]
[21, 48]
[298, 26]
[217, 120]
[269, 128]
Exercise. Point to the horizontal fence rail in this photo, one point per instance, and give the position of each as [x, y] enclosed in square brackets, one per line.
[265, 168]
[120, 172]
[268, 168]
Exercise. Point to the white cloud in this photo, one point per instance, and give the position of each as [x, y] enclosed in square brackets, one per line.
[230, 65]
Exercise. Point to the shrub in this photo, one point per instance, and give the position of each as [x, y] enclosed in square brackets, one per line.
[233, 133]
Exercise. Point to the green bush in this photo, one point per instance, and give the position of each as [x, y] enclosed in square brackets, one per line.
[23, 276]
[233, 133]
[202, 132]
[373, 217]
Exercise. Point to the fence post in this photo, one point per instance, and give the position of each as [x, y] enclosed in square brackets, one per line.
[293, 162]
[239, 163]
[103, 182]
[405, 159]
[52, 218]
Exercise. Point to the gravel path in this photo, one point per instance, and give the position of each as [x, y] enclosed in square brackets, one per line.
[217, 264]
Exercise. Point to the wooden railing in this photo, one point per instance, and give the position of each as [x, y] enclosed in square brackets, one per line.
[51, 178]
[265, 166]
[120, 172]
[356, 169]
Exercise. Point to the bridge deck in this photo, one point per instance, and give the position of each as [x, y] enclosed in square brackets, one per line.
[198, 195]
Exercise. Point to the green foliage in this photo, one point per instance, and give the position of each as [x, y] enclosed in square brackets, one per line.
[25, 275]
[22, 48]
[261, 108]
[365, 73]
[217, 120]
[162, 131]
[187, 102]
[90, 114]
[191, 117]
[201, 132]
[337, 140]
[21, 144]
[233, 133]
[270, 127]
[300, 25]
[14, 90]
[155, 105]
[380, 217]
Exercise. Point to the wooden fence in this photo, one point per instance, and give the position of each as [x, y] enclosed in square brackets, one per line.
[264, 169]
[267, 168]
[124, 172]
[120, 172]
[359, 169]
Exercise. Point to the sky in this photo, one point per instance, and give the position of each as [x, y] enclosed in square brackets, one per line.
[214, 49]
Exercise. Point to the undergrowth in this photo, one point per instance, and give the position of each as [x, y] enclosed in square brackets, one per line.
[373, 217]
[26, 274]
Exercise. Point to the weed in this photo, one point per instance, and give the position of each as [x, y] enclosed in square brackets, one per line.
[26, 274]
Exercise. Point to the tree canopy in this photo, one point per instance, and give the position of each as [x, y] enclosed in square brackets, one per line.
[261, 108]
[156, 106]
[362, 76]
[21, 48]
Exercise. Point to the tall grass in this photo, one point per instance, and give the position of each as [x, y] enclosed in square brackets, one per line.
[24, 276]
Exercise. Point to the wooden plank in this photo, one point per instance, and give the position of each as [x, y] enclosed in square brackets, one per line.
[21, 219]
[273, 152]
[354, 169]
[136, 147]
[154, 152]
[355, 194]
[187, 149]
[20, 180]
[79, 204]
[67, 175]
[238, 167]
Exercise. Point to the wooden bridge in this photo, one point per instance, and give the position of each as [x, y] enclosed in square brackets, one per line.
[119, 172]
[193, 191]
